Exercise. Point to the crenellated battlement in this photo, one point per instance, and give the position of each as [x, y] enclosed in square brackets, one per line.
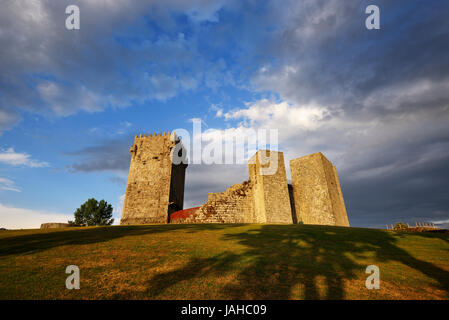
[155, 135]
[158, 135]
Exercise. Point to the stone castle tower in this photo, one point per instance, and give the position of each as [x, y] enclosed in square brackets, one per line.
[316, 191]
[155, 185]
[271, 200]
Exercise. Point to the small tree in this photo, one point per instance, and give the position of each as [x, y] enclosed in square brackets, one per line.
[94, 213]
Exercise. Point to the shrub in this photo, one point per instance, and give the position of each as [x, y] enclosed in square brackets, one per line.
[93, 213]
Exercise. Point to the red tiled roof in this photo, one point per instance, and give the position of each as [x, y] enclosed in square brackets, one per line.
[183, 213]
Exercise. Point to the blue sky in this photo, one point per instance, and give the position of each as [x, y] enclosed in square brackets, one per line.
[375, 102]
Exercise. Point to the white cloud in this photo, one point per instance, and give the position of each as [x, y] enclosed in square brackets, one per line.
[118, 209]
[266, 113]
[291, 122]
[9, 156]
[217, 109]
[441, 221]
[64, 102]
[9, 185]
[19, 218]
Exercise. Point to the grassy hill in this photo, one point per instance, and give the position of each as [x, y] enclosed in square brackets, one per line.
[223, 262]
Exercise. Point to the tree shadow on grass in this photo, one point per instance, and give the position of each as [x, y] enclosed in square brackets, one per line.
[37, 242]
[196, 268]
[285, 262]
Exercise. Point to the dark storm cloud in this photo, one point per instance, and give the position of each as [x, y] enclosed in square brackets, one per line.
[387, 94]
[47, 69]
[336, 57]
[202, 179]
[416, 193]
[110, 155]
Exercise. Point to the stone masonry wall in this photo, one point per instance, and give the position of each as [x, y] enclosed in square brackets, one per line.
[316, 191]
[51, 225]
[149, 190]
[336, 196]
[272, 201]
[235, 205]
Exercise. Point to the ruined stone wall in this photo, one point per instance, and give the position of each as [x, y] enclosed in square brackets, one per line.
[151, 189]
[235, 205]
[262, 199]
[272, 201]
[52, 225]
[316, 191]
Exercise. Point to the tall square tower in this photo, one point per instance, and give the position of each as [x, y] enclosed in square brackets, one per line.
[271, 200]
[155, 186]
[316, 191]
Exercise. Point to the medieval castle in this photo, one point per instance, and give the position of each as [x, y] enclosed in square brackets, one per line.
[155, 190]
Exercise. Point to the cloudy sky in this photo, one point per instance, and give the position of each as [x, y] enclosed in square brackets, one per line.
[375, 102]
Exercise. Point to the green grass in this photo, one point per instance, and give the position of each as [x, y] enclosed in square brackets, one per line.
[223, 262]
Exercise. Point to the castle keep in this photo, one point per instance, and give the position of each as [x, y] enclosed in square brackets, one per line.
[155, 185]
[155, 190]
